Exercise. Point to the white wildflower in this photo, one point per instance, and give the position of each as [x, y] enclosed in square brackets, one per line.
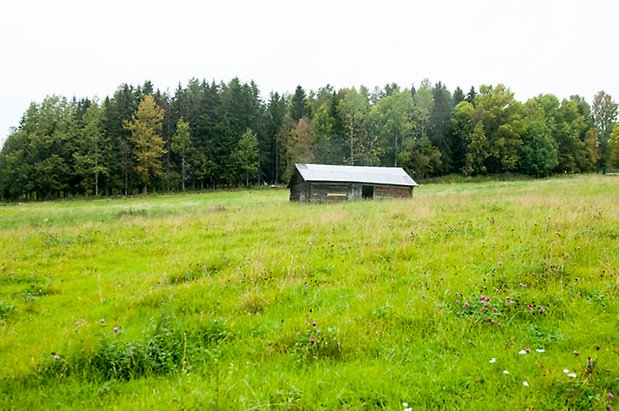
[505, 372]
[572, 375]
[526, 384]
[492, 361]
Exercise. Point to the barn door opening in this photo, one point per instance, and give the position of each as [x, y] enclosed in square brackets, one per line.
[367, 192]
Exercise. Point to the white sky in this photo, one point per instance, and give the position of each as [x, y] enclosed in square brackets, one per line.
[87, 48]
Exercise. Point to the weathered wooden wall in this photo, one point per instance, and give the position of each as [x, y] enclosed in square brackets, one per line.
[392, 191]
[299, 191]
[329, 192]
[317, 192]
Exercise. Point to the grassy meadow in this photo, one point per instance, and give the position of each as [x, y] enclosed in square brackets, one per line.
[488, 295]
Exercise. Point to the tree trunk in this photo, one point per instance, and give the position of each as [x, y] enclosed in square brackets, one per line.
[183, 172]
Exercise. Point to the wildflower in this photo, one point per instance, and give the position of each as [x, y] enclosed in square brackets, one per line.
[492, 360]
[317, 331]
[572, 375]
[565, 371]
[494, 309]
[466, 304]
[77, 323]
[312, 341]
[404, 404]
[102, 321]
[115, 329]
[575, 353]
[491, 320]
[499, 324]
[505, 372]
[56, 357]
[610, 396]
[500, 262]
[528, 350]
[457, 301]
[526, 384]
[522, 352]
[540, 350]
[542, 310]
[423, 296]
[314, 324]
[298, 333]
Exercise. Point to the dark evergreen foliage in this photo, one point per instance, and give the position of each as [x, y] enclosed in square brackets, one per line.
[82, 146]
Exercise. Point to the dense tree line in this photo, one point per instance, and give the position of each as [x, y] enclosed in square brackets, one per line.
[223, 134]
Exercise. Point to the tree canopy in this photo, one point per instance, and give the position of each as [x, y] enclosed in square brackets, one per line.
[209, 134]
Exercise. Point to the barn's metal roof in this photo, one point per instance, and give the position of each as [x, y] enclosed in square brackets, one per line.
[354, 174]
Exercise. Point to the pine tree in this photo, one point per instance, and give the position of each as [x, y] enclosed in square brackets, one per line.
[298, 105]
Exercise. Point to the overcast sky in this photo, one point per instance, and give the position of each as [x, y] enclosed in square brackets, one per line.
[87, 48]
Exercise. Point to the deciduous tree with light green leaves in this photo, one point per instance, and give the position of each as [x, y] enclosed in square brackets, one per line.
[604, 118]
[147, 141]
[614, 148]
[423, 106]
[492, 127]
[538, 153]
[89, 155]
[182, 146]
[245, 157]
[390, 120]
[353, 107]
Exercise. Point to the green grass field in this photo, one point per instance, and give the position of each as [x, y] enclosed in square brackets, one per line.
[242, 300]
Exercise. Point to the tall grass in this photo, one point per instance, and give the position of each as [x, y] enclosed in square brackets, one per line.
[244, 300]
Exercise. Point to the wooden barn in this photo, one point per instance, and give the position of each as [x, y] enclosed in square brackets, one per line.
[319, 183]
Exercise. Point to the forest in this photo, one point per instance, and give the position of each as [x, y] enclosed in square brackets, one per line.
[218, 135]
